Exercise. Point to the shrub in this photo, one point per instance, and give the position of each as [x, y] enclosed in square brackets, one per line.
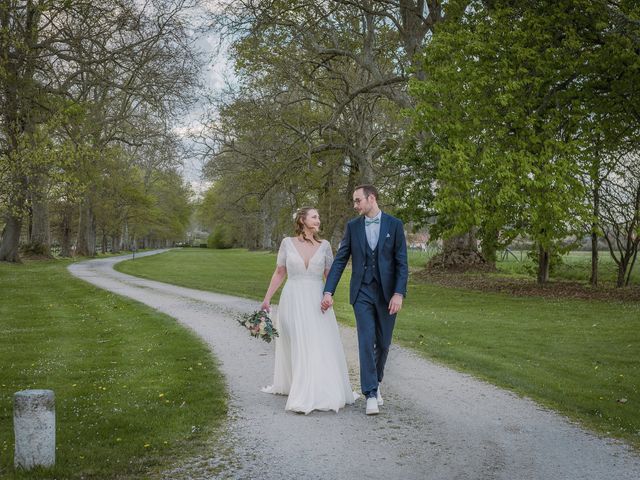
[220, 238]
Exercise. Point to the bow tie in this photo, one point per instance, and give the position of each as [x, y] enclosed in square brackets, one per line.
[371, 222]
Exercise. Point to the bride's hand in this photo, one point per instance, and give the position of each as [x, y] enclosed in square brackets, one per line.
[327, 302]
[266, 306]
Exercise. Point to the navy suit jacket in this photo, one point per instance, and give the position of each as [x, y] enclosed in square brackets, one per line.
[392, 257]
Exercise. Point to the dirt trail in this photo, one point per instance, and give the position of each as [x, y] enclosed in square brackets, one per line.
[436, 423]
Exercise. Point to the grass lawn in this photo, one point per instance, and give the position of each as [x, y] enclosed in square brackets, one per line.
[134, 391]
[579, 357]
[575, 266]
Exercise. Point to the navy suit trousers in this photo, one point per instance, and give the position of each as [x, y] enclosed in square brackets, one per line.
[375, 329]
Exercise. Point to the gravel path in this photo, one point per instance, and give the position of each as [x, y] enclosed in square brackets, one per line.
[436, 423]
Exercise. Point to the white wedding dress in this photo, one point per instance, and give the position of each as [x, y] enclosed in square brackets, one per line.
[310, 365]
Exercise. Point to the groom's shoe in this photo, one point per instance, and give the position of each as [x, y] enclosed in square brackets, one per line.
[379, 397]
[372, 406]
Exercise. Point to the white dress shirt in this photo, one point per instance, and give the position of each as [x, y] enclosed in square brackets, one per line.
[373, 230]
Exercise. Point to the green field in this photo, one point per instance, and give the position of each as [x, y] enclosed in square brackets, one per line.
[575, 266]
[135, 392]
[581, 358]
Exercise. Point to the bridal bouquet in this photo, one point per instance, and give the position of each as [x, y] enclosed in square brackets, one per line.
[259, 325]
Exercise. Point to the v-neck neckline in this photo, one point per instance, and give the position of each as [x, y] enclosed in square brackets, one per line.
[306, 265]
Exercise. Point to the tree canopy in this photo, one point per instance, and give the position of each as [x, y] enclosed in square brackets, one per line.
[89, 91]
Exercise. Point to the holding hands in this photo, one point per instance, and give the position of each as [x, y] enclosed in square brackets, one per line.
[395, 304]
[327, 302]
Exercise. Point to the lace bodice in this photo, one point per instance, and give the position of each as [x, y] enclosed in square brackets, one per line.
[291, 258]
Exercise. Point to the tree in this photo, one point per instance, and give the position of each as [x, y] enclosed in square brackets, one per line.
[503, 111]
[620, 216]
[171, 210]
[19, 49]
[125, 68]
[611, 129]
[149, 76]
[328, 80]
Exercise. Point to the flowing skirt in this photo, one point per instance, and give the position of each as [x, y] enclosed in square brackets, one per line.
[310, 365]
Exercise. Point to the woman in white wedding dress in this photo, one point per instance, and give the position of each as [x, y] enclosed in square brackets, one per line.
[310, 365]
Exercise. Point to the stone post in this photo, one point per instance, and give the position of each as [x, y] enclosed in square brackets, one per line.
[34, 424]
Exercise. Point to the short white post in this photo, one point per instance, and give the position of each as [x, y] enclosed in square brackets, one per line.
[34, 425]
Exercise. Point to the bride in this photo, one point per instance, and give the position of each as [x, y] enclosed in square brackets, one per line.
[310, 365]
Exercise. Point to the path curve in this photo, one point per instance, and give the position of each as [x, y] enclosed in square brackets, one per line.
[436, 423]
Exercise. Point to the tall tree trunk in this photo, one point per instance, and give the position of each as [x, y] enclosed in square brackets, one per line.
[65, 232]
[594, 237]
[17, 111]
[367, 175]
[268, 226]
[86, 244]
[490, 248]
[594, 257]
[40, 234]
[544, 265]
[11, 239]
[631, 264]
[459, 253]
[115, 243]
[622, 270]
[127, 241]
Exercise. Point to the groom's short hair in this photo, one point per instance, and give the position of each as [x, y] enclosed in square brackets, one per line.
[368, 190]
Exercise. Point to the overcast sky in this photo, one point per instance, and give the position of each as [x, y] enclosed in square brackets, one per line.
[216, 70]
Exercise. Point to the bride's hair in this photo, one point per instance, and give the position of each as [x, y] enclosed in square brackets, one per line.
[301, 214]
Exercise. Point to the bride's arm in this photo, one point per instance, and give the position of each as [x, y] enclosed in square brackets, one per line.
[328, 259]
[276, 280]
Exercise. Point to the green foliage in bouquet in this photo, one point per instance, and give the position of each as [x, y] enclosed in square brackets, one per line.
[259, 325]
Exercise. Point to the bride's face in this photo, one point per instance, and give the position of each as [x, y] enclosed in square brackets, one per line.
[312, 220]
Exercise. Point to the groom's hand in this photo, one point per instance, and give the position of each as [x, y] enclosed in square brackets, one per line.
[327, 302]
[395, 304]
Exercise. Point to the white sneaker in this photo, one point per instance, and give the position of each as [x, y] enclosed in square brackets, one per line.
[372, 406]
[379, 397]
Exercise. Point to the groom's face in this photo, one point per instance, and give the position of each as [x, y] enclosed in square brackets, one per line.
[361, 203]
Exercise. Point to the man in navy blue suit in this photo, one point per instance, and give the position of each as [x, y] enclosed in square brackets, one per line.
[376, 244]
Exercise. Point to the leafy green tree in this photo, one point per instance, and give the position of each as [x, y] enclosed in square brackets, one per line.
[119, 199]
[124, 68]
[323, 84]
[20, 97]
[220, 238]
[502, 115]
[171, 211]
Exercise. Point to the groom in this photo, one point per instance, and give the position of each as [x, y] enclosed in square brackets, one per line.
[376, 244]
